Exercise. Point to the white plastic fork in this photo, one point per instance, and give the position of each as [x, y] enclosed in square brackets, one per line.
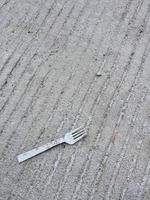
[69, 138]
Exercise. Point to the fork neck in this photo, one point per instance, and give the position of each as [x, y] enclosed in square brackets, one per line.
[60, 140]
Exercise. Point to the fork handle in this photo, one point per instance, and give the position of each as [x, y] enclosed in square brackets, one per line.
[29, 154]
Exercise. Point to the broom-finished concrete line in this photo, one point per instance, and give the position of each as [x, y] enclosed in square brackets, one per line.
[67, 63]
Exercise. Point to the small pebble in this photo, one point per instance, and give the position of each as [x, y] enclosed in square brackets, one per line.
[99, 74]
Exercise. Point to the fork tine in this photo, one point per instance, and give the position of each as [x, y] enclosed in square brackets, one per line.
[80, 137]
[79, 134]
[76, 130]
[76, 133]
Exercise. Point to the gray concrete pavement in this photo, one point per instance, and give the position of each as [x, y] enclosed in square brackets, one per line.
[50, 53]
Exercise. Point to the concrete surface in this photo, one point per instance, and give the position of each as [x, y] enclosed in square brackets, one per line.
[50, 53]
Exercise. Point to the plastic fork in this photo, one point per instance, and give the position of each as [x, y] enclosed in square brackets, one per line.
[69, 138]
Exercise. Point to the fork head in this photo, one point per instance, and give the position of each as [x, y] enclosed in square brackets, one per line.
[75, 135]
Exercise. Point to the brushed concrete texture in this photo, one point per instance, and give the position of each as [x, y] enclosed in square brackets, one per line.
[50, 54]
